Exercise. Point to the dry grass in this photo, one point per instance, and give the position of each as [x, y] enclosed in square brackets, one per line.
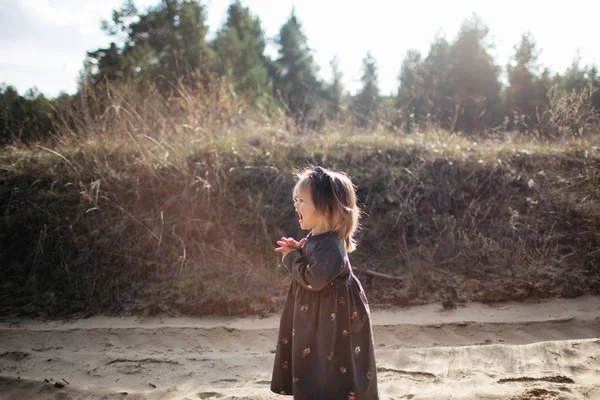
[146, 205]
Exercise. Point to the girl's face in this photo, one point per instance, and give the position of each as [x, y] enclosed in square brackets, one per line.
[310, 219]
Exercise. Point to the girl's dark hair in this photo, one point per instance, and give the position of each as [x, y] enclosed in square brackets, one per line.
[334, 196]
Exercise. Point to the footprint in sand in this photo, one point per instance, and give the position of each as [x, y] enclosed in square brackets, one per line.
[62, 396]
[537, 393]
[15, 355]
[225, 380]
[209, 395]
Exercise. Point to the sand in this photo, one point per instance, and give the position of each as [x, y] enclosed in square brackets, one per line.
[544, 350]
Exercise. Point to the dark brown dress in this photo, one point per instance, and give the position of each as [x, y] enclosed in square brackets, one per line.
[325, 344]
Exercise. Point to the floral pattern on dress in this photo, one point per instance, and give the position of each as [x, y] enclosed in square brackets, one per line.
[317, 356]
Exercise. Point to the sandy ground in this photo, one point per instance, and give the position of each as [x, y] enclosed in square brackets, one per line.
[546, 350]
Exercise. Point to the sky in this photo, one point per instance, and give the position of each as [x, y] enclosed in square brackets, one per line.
[43, 42]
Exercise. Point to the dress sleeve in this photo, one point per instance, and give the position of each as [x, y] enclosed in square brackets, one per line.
[314, 272]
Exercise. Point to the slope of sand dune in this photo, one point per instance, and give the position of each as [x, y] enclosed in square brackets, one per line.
[546, 350]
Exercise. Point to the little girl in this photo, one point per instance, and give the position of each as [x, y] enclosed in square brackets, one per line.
[325, 344]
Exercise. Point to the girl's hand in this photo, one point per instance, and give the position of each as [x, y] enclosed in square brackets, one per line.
[288, 244]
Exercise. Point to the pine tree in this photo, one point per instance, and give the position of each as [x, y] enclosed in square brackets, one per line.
[473, 78]
[367, 100]
[436, 81]
[168, 40]
[335, 89]
[295, 73]
[239, 51]
[108, 63]
[524, 99]
[410, 97]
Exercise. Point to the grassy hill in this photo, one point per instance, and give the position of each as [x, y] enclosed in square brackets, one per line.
[176, 208]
